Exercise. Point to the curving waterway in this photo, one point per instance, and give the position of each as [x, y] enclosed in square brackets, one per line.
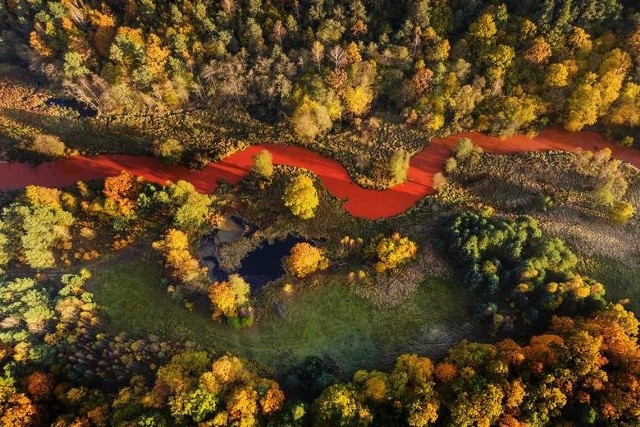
[361, 202]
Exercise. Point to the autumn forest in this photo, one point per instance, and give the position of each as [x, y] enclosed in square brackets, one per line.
[319, 213]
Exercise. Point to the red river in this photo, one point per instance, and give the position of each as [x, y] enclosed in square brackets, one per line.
[364, 203]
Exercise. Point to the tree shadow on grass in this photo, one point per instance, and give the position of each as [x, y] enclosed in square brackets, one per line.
[85, 134]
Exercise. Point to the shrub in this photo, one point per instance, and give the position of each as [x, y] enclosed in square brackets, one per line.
[5, 255]
[399, 166]
[230, 299]
[466, 149]
[450, 165]
[611, 189]
[627, 141]
[463, 148]
[263, 164]
[439, 182]
[45, 145]
[301, 197]
[611, 184]
[394, 251]
[304, 260]
[543, 202]
[169, 150]
[621, 212]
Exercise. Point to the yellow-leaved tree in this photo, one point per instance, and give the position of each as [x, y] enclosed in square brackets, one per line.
[358, 99]
[43, 196]
[174, 246]
[263, 164]
[305, 259]
[310, 119]
[230, 298]
[301, 197]
[394, 251]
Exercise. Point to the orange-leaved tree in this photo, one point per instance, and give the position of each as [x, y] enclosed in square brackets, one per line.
[305, 259]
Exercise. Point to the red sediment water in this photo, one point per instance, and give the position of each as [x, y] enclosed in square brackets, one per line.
[364, 203]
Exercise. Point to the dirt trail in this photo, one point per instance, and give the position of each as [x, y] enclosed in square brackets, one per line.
[361, 202]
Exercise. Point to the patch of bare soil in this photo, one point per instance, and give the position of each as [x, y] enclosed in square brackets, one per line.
[388, 291]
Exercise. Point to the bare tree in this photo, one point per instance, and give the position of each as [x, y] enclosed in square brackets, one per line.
[228, 6]
[226, 79]
[90, 90]
[417, 40]
[278, 32]
[77, 11]
[317, 53]
[337, 56]
[296, 8]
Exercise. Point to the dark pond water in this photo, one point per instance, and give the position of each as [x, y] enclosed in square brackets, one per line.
[83, 109]
[258, 267]
[264, 264]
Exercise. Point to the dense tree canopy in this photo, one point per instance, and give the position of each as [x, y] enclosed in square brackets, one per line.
[454, 64]
[581, 370]
[338, 75]
[513, 257]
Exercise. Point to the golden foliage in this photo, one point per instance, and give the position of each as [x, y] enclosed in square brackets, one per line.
[175, 248]
[223, 300]
[43, 196]
[301, 197]
[38, 44]
[353, 54]
[242, 405]
[557, 75]
[394, 251]
[19, 411]
[105, 31]
[273, 399]
[484, 27]
[228, 296]
[305, 259]
[358, 99]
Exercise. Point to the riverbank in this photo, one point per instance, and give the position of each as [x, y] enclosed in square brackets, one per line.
[393, 201]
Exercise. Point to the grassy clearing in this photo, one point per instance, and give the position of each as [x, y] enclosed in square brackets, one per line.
[620, 280]
[326, 320]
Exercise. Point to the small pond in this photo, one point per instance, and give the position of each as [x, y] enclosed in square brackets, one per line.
[264, 264]
[259, 267]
